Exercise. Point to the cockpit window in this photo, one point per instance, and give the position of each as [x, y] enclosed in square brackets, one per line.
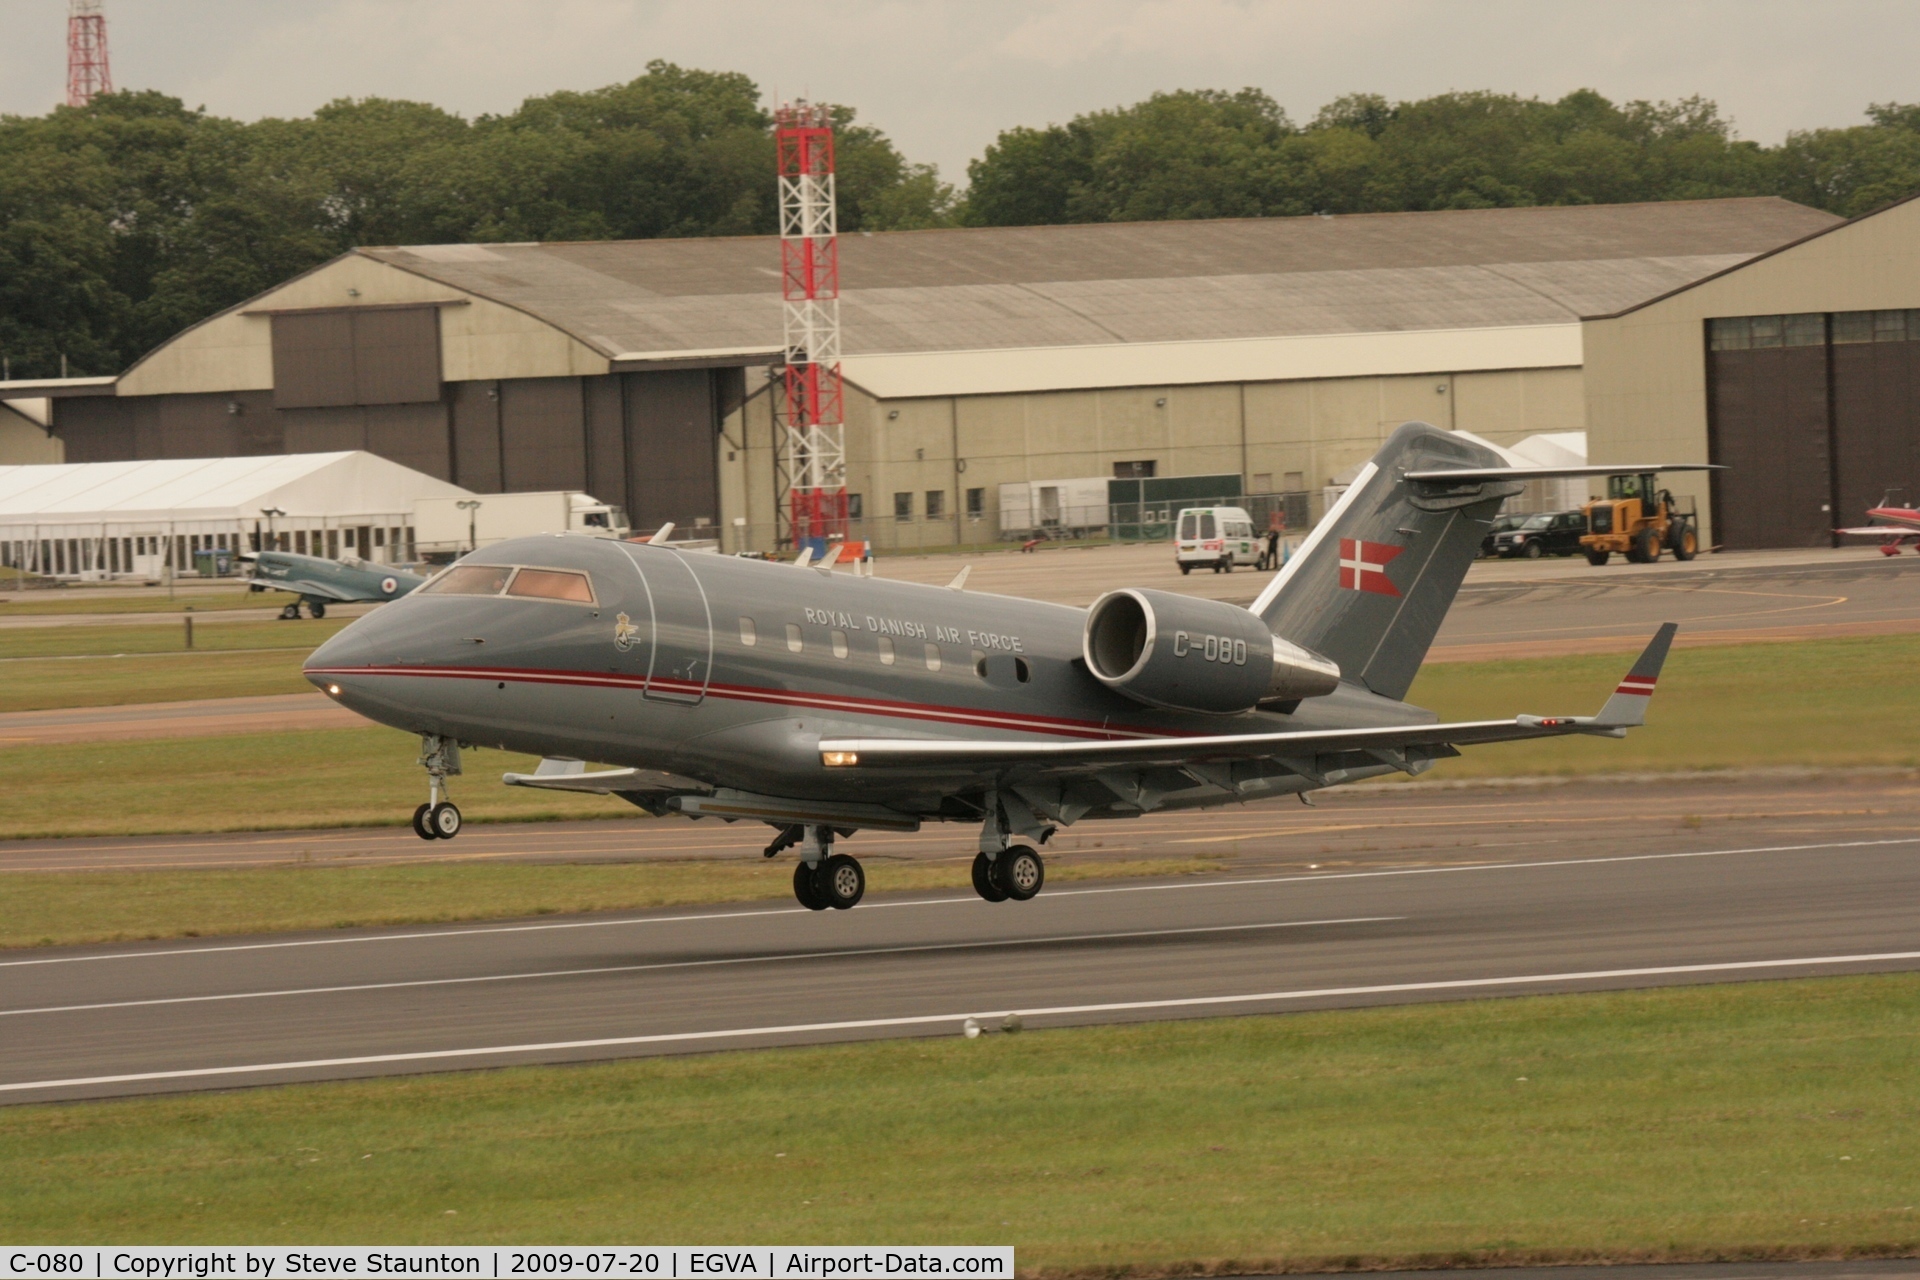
[505, 579]
[552, 584]
[471, 580]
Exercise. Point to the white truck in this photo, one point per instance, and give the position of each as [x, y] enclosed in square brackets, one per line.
[443, 529]
[1053, 508]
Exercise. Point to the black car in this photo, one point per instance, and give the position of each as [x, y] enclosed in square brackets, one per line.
[1500, 525]
[1551, 533]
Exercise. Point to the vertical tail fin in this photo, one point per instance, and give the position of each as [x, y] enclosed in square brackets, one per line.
[1373, 581]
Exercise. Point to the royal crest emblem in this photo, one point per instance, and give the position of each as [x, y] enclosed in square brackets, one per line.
[625, 633]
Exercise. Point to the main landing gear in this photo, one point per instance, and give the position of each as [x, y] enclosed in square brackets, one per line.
[438, 819]
[1017, 873]
[1004, 870]
[822, 878]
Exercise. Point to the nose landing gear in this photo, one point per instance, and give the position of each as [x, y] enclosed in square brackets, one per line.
[826, 879]
[437, 819]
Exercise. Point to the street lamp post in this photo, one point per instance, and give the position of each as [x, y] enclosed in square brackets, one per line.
[471, 506]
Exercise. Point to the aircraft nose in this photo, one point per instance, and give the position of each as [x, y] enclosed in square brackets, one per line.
[352, 647]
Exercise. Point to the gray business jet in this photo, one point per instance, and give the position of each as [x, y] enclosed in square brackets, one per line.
[825, 703]
[320, 582]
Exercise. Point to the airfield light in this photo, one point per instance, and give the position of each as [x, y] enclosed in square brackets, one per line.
[839, 759]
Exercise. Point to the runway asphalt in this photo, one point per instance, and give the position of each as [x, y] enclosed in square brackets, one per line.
[1447, 896]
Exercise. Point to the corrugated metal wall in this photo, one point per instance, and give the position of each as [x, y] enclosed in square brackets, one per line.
[1815, 417]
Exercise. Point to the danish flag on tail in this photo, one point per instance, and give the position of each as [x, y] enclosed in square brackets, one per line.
[1363, 566]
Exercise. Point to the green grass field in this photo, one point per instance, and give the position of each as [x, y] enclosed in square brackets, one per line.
[46, 684]
[1823, 703]
[85, 600]
[259, 781]
[169, 637]
[1735, 1121]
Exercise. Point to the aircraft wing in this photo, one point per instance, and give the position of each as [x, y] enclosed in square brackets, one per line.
[1624, 710]
[310, 587]
[1548, 473]
[1880, 531]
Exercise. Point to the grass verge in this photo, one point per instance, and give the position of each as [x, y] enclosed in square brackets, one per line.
[83, 600]
[48, 684]
[168, 637]
[1720, 1122]
[256, 782]
[60, 908]
[1821, 703]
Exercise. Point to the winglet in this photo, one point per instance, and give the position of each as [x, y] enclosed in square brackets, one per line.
[1628, 705]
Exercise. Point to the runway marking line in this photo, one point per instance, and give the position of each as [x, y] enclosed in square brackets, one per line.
[930, 1019]
[1530, 822]
[847, 953]
[951, 902]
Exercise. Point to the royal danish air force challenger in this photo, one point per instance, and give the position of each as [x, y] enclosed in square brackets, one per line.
[825, 704]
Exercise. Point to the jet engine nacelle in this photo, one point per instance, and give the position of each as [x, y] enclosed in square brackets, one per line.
[1174, 651]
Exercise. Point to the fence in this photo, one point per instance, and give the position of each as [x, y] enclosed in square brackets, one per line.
[1120, 522]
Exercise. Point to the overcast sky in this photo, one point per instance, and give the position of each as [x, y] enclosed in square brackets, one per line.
[943, 78]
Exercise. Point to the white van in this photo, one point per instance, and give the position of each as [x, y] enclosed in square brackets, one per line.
[1220, 537]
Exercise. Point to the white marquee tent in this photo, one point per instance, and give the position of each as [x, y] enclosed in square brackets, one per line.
[106, 519]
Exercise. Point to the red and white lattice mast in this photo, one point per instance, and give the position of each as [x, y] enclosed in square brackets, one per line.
[815, 446]
[87, 72]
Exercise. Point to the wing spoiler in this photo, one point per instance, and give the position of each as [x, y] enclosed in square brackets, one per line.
[1624, 710]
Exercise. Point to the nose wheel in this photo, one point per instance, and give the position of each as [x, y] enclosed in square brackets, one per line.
[438, 818]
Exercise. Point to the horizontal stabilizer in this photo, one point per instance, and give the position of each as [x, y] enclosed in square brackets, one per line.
[1475, 475]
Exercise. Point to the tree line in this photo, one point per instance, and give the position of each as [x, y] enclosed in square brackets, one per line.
[123, 222]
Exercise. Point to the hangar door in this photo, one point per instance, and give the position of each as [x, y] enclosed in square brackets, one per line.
[1814, 417]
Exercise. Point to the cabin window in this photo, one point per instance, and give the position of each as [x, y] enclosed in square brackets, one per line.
[552, 584]
[933, 657]
[470, 580]
[793, 637]
[886, 651]
[839, 639]
[748, 636]
[980, 663]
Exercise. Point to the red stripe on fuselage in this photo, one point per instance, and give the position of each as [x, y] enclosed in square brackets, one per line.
[1057, 725]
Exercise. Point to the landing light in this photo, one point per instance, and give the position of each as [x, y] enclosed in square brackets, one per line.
[333, 690]
[839, 759]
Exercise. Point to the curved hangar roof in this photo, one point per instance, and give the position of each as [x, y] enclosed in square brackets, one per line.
[931, 312]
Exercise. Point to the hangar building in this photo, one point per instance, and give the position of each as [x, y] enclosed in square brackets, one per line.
[1277, 352]
[1799, 371]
